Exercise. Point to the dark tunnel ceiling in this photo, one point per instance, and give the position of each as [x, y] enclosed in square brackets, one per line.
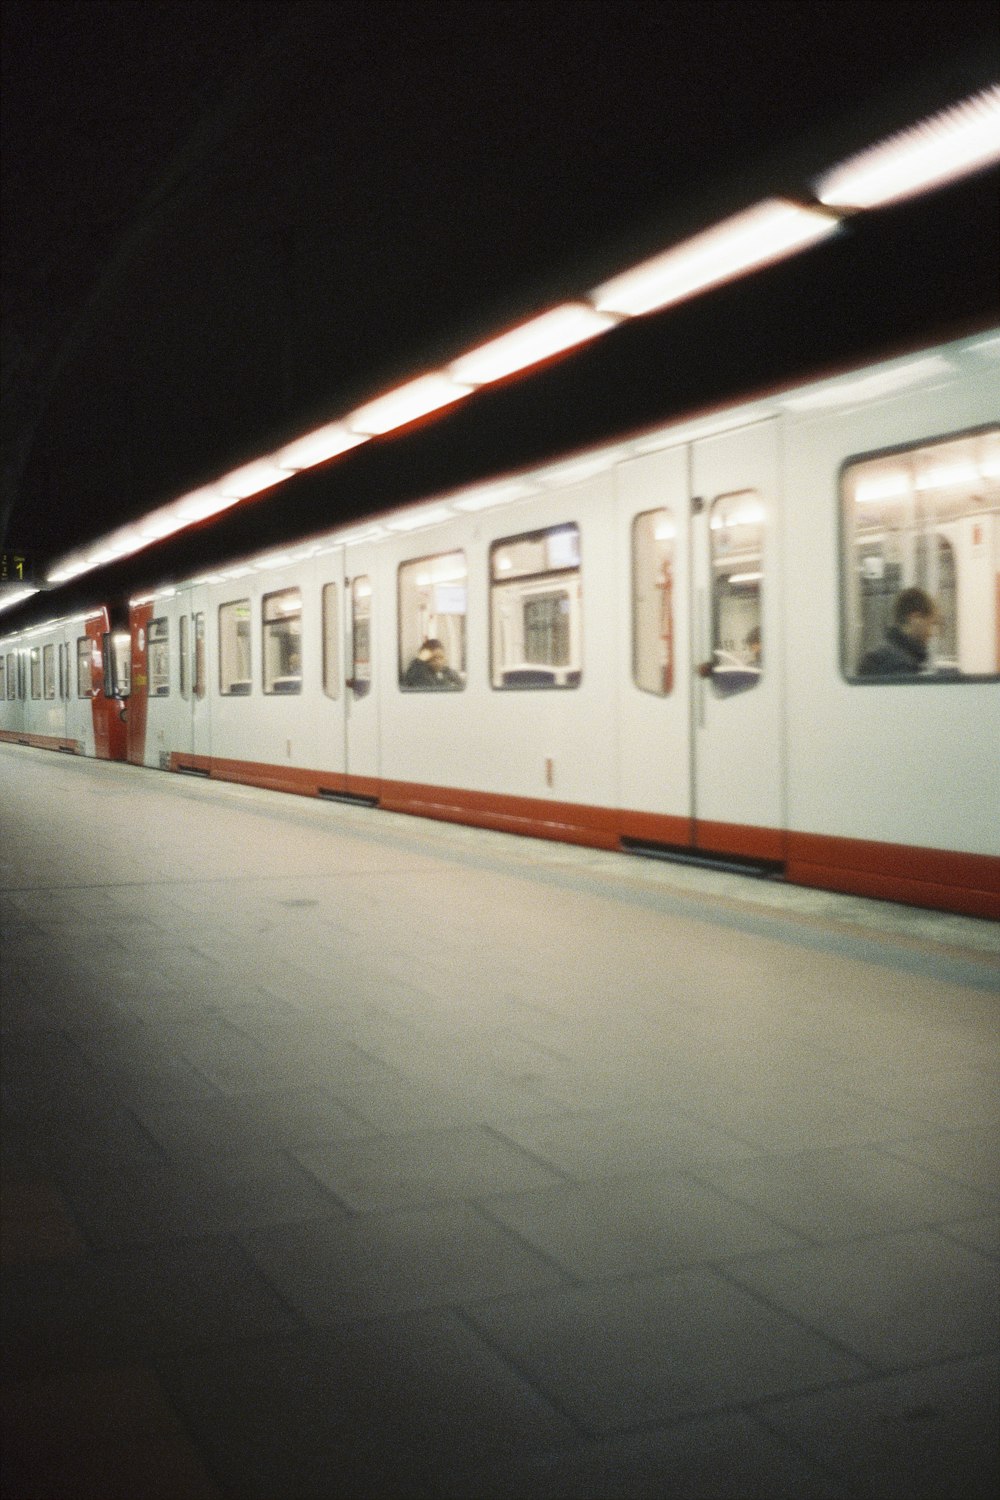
[224, 223]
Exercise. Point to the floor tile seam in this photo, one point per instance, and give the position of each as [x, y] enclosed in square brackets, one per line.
[534, 1157]
[943, 1231]
[792, 1318]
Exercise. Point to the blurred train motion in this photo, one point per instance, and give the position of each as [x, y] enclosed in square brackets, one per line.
[654, 645]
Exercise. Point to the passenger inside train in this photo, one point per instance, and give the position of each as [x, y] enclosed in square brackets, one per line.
[430, 669]
[905, 647]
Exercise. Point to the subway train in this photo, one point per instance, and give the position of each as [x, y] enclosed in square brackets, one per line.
[681, 642]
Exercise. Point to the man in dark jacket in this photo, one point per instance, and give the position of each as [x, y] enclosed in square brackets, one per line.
[905, 647]
[430, 669]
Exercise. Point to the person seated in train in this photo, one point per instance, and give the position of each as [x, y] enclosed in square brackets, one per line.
[905, 647]
[430, 669]
[754, 649]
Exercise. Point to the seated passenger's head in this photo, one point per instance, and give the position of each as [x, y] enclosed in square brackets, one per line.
[433, 653]
[916, 614]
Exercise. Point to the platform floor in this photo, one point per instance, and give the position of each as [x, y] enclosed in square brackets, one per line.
[349, 1155]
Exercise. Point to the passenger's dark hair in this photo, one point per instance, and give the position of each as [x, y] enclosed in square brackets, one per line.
[912, 602]
[432, 644]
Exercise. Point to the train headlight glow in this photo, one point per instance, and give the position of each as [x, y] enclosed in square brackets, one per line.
[960, 140]
[768, 232]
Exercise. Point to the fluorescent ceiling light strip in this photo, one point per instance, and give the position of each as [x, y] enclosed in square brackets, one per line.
[315, 447]
[406, 403]
[768, 232]
[553, 332]
[949, 145]
[252, 479]
[8, 601]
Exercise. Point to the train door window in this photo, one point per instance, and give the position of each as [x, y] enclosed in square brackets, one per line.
[117, 665]
[158, 638]
[3, 678]
[234, 648]
[535, 596]
[653, 536]
[282, 635]
[36, 672]
[83, 683]
[184, 655]
[62, 670]
[199, 677]
[331, 641]
[736, 532]
[49, 671]
[361, 635]
[921, 565]
[433, 596]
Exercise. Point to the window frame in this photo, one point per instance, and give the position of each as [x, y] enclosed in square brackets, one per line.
[846, 537]
[294, 680]
[574, 676]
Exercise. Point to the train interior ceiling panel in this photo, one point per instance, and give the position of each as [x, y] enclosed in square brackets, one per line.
[770, 634]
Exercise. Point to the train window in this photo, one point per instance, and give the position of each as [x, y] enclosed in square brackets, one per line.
[535, 609]
[921, 565]
[48, 671]
[36, 672]
[199, 656]
[361, 635]
[736, 531]
[62, 670]
[158, 638]
[653, 535]
[184, 655]
[3, 678]
[234, 648]
[282, 634]
[117, 664]
[83, 683]
[331, 642]
[432, 606]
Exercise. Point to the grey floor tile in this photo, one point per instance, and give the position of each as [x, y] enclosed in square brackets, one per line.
[396, 1409]
[339, 1271]
[204, 1128]
[175, 1200]
[929, 1434]
[133, 1302]
[637, 1225]
[729, 1457]
[979, 1234]
[896, 1300]
[609, 1141]
[431, 1166]
[840, 1194]
[619, 1354]
[967, 1156]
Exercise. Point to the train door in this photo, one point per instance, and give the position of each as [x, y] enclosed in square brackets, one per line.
[737, 759]
[192, 734]
[653, 501]
[361, 748]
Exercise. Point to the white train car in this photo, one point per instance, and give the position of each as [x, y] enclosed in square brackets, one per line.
[56, 687]
[672, 641]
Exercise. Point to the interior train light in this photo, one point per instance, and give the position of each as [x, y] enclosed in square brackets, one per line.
[768, 232]
[949, 145]
[315, 447]
[891, 486]
[553, 332]
[406, 403]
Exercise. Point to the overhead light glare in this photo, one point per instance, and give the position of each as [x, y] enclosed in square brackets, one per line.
[768, 232]
[7, 601]
[553, 332]
[251, 479]
[315, 447]
[406, 403]
[962, 139]
[868, 387]
[484, 497]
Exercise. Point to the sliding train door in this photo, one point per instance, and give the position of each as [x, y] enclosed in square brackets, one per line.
[700, 742]
[738, 779]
